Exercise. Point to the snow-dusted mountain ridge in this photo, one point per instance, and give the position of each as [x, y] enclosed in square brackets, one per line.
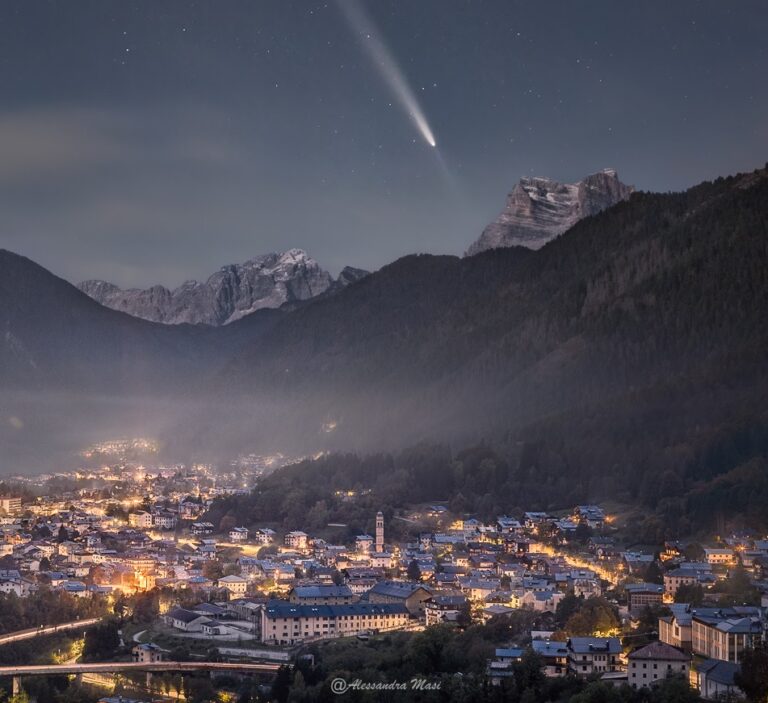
[232, 292]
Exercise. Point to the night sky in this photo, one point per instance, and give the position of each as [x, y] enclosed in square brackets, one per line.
[151, 142]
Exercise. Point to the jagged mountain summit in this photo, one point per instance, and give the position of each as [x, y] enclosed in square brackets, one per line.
[234, 291]
[540, 209]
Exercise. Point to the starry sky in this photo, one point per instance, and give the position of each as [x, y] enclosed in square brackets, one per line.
[151, 142]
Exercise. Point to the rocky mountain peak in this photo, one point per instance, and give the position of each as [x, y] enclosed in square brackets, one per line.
[539, 209]
[235, 290]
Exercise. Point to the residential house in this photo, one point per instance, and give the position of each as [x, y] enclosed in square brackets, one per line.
[554, 656]
[238, 534]
[147, 653]
[719, 555]
[140, 519]
[654, 662]
[641, 595]
[264, 535]
[501, 666]
[715, 680]
[590, 655]
[297, 540]
[412, 595]
[443, 608]
[185, 620]
[234, 584]
[685, 577]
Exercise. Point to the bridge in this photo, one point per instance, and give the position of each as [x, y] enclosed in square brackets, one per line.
[115, 667]
[47, 630]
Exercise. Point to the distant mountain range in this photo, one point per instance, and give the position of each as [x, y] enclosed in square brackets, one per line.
[624, 358]
[540, 209]
[537, 211]
[231, 293]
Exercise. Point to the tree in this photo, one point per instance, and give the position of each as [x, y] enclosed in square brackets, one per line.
[593, 615]
[414, 571]
[567, 607]
[101, 641]
[753, 677]
[691, 593]
[146, 608]
[582, 533]
[212, 569]
[179, 654]
[653, 573]
[281, 685]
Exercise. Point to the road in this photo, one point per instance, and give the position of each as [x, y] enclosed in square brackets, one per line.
[114, 667]
[48, 630]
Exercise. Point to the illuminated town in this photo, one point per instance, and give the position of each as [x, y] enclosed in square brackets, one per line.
[140, 540]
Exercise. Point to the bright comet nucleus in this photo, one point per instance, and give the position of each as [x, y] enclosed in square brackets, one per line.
[388, 68]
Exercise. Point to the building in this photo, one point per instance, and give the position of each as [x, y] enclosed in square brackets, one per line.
[287, 623]
[379, 531]
[412, 595]
[321, 595]
[654, 662]
[147, 653]
[444, 609]
[236, 585]
[715, 680]
[590, 655]
[264, 536]
[141, 519]
[554, 656]
[724, 633]
[297, 540]
[185, 620]
[238, 534]
[642, 595]
[164, 520]
[683, 577]
[201, 528]
[363, 544]
[542, 601]
[10, 505]
[675, 629]
[501, 666]
[720, 556]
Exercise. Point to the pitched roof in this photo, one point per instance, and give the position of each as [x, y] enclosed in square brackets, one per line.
[719, 671]
[284, 609]
[321, 591]
[396, 589]
[660, 650]
[586, 645]
[183, 615]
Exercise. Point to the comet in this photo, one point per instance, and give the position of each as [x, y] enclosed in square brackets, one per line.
[391, 73]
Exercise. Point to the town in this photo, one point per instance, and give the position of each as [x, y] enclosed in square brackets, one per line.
[576, 594]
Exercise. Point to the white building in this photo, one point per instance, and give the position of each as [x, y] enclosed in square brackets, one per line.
[297, 540]
[141, 519]
[238, 534]
[236, 585]
[286, 623]
[654, 662]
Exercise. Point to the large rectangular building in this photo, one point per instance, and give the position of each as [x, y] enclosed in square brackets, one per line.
[10, 505]
[724, 633]
[283, 622]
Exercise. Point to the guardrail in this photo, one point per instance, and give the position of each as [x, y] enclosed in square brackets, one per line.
[46, 630]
